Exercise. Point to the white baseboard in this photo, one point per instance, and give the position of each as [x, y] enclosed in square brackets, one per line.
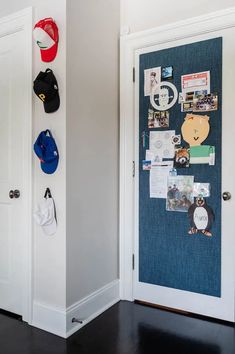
[49, 319]
[59, 321]
[92, 306]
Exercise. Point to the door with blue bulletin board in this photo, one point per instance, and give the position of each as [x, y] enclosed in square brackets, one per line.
[183, 226]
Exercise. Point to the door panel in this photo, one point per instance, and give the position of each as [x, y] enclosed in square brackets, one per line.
[13, 109]
[176, 269]
[182, 261]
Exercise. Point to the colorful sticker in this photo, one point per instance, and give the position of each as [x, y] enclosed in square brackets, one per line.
[176, 140]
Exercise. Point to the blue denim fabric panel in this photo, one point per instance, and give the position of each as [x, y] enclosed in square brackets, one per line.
[168, 256]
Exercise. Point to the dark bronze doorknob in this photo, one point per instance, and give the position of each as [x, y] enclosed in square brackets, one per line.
[226, 196]
[14, 194]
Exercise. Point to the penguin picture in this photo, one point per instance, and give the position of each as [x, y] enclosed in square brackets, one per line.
[201, 217]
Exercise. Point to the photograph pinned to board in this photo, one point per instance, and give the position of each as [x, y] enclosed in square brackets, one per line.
[164, 119]
[146, 165]
[158, 119]
[195, 131]
[195, 82]
[201, 217]
[179, 193]
[205, 103]
[158, 179]
[161, 143]
[152, 79]
[182, 157]
[187, 102]
[201, 190]
[151, 120]
[187, 107]
[167, 73]
[189, 96]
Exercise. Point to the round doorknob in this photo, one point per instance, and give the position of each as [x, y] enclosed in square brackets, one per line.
[14, 194]
[226, 196]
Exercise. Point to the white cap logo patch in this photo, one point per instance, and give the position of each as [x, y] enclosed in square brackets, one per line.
[42, 38]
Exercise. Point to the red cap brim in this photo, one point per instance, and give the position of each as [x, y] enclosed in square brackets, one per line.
[49, 54]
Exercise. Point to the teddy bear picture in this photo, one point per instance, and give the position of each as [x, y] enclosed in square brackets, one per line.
[182, 157]
[195, 130]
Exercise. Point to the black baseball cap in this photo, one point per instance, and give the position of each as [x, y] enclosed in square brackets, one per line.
[46, 88]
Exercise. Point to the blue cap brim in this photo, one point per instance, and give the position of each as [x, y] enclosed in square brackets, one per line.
[50, 167]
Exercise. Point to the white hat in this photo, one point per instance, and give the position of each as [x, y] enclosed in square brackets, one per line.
[44, 215]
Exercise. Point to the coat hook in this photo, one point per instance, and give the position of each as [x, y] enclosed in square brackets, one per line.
[48, 193]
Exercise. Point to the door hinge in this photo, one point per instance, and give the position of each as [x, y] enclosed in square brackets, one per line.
[133, 74]
[133, 262]
[133, 168]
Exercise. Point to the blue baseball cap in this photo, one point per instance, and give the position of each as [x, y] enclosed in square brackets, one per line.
[46, 150]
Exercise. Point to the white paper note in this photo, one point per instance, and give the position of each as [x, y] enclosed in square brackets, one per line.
[149, 155]
[158, 179]
[162, 143]
[152, 156]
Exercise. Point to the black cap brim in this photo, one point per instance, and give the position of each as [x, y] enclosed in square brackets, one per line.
[52, 105]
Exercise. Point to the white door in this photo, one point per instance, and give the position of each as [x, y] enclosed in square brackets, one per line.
[140, 284]
[221, 304]
[14, 108]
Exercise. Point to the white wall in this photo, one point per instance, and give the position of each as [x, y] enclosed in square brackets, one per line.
[91, 120]
[49, 252]
[92, 145]
[139, 15]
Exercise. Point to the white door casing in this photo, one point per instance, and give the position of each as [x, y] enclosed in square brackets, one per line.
[16, 162]
[221, 23]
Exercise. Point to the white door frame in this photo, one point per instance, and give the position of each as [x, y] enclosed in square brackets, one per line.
[22, 22]
[193, 27]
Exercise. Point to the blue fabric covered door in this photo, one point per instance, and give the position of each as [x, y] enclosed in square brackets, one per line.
[168, 255]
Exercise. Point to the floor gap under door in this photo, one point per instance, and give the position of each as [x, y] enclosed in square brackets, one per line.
[184, 313]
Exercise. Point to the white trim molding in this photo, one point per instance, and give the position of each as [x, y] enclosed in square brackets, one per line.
[163, 36]
[92, 306]
[59, 321]
[49, 319]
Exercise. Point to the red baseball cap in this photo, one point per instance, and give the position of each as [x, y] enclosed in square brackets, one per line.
[46, 35]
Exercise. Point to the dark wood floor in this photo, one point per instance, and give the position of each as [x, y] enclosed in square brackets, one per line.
[126, 328]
